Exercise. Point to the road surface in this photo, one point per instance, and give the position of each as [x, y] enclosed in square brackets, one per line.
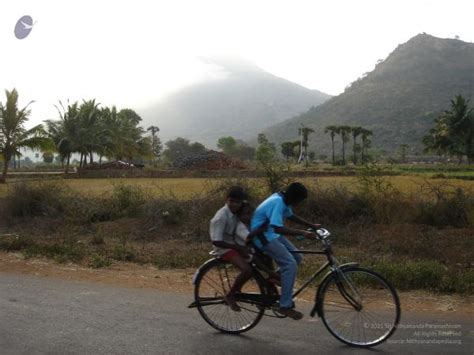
[40, 315]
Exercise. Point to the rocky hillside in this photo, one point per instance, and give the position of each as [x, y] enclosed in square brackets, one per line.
[398, 100]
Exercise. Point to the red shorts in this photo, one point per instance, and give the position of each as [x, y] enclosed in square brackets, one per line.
[229, 255]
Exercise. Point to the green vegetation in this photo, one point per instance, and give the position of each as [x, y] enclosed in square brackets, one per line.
[90, 130]
[236, 148]
[419, 240]
[453, 134]
[13, 134]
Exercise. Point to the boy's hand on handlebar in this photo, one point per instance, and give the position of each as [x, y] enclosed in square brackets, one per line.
[316, 226]
[310, 235]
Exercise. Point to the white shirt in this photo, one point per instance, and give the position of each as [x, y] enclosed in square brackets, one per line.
[223, 227]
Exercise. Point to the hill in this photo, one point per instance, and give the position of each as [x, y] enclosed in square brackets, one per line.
[241, 101]
[398, 100]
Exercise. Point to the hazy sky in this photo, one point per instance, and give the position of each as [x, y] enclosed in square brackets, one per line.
[129, 53]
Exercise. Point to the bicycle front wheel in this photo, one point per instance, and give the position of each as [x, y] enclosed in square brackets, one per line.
[212, 284]
[359, 307]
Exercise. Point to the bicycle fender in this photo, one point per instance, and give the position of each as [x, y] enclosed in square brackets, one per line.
[317, 300]
[198, 271]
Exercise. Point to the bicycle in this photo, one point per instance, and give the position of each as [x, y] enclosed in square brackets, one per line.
[358, 306]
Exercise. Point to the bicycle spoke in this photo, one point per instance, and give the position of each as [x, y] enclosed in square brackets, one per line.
[378, 307]
[214, 285]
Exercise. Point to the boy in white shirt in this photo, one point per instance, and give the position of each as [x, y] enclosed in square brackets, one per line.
[228, 246]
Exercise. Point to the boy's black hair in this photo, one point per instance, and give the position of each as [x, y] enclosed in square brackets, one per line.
[237, 192]
[296, 192]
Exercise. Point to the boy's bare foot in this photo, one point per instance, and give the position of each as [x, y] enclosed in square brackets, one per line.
[230, 301]
[290, 313]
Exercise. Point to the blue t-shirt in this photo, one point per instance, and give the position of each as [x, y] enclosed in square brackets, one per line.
[272, 211]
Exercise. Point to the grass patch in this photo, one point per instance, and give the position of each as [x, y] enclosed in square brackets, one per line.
[425, 274]
[59, 252]
[99, 261]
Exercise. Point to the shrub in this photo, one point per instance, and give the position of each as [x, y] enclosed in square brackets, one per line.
[98, 261]
[446, 208]
[14, 242]
[122, 253]
[425, 274]
[62, 253]
[127, 200]
[43, 199]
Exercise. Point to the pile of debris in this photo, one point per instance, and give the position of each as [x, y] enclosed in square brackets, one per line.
[211, 160]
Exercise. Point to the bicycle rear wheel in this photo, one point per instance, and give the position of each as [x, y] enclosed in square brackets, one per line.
[359, 307]
[212, 284]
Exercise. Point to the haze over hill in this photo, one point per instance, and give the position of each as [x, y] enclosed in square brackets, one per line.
[398, 100]
[241, 100]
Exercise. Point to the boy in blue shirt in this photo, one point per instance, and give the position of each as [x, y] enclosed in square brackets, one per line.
[273, 211]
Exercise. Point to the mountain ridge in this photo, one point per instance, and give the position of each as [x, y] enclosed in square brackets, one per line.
[398, 100]
[242, 101]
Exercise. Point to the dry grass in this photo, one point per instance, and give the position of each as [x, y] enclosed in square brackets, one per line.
[187, 187]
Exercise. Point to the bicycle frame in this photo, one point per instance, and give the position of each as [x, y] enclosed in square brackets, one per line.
[318, 272]
[330, 263]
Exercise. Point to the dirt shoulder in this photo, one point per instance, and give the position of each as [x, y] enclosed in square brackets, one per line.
[179, 280]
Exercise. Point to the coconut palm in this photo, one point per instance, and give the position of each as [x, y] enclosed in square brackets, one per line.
[63, 132]
[14, 135]
[90, 132]
[460, 121]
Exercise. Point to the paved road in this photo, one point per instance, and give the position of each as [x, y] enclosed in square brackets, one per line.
[46, 315]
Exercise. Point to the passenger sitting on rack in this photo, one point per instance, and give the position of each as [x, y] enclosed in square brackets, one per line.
[227, 246]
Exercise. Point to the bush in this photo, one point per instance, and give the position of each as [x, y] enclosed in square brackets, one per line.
[61, 253]
[127, 200]
[448, 208]
[426, 274]
[183, 257]
[42, 199]
[98, 261]
[14, 243]
[122, 253]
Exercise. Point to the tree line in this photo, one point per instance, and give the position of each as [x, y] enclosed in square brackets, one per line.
[298, 149]
[91, 130]
[86, 128]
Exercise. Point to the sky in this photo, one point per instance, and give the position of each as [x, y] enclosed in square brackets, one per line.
[133, 53]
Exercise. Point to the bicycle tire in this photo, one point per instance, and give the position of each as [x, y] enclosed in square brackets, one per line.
[213, 282]
[355, 286]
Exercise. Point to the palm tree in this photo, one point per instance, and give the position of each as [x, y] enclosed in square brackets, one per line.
[356, 131]
[90, 130]
[365, 134]
[344, 131]
[403, 150]
[63, 132]
[332, 131]
[14, 135]
[304, 132]
[156, 143]
[460, 121]
[438, 139]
